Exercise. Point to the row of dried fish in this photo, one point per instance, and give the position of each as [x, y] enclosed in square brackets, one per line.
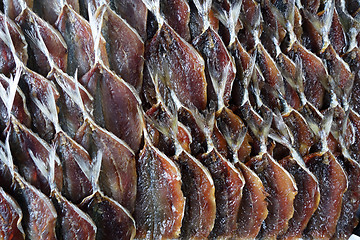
[250, 128]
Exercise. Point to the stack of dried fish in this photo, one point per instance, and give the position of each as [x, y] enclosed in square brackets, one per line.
[179, 119]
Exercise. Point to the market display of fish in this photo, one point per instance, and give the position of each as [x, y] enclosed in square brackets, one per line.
[179, 119]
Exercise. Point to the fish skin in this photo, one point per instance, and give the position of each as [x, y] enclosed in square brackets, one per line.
[39, 214]
[197, 22]
[12, 8]
[19, 108]
[112, 220]
[353, 59]
[242, 61]
[284, 63]
[199, 192]
[355, 121]
[50, 10]
[351, 199]
[76, 32]
[333, 183]
[198, 145]
[28, 21]
[301, 131]
[281, 190]
[36, 86]
[337, 35]
[314, 72]
[72, 223]
[76, 185]
[226, 119]
[228, 193]
[253, 207]
[159, 208]
[7, 62]
[272, 76]
[93, 4]
[182, 68]
[305, 202]
[122, 118]
[126, 55]
[134, 12]
[340, 71]
[164, 143]
[70, 116]
[177, 15]
[219, 65]
[11, 217]
[118, 177]
[21, 141]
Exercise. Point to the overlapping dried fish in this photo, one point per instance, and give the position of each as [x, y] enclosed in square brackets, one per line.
[39, 215]
[35, 28]
[77, 34]
[160, 203]
[112, 220]
[11, 215]
[251, 129]
[177, 64]
[197, 185]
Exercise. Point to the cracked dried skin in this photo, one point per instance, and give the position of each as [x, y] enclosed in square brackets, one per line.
[350, 202]
[76, 32]
[178, 66]
[300, 130]
[11, 216]
[281, 190]
[177, 15]
[219, 64]
[72, 223]
[229, 183]
[39, 214]
[76, 185]
[126, 54]
[54, 42]
[115, 105]
[19, 109]
[22, 141]
[314, 72]
[199, 192]
[134, 12]
[306, 201]
[7, 62]
[253, 207]
[112, 220]
[36, 86]
[332, 183]
[70, 115]
[160, 203]
[118, 169]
